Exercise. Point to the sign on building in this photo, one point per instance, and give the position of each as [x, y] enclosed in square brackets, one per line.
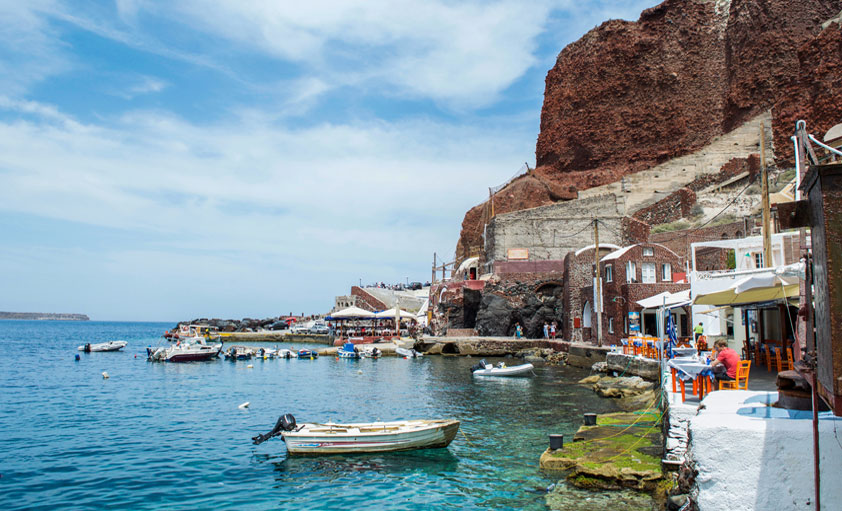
[517, 254]
[634, 322]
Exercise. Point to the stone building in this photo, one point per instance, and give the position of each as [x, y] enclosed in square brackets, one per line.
[578, 275]
[629, 274]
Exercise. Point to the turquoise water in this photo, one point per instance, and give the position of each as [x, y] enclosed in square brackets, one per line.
[171, 436]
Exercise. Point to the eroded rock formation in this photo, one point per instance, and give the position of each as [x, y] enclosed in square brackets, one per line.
[630, 95]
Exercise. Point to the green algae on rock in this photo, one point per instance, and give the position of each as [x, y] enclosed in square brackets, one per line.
[623, 451]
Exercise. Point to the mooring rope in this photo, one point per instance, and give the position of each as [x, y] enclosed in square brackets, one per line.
[642, 415]
[466, 437]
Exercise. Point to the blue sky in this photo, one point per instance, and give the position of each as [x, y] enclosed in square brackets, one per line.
[177, 159]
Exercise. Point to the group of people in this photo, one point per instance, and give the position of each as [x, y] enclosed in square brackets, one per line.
[550, 330]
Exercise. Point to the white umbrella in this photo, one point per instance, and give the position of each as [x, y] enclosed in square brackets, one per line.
[352, 312]
[392, 314]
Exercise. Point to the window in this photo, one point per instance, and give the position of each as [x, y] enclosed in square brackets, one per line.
[610, 325]
[625, 323]
[586, 315]
[647, 273]
[648, 251]
[666, 272]
[631, 272]
[758, 260]
[609, 273]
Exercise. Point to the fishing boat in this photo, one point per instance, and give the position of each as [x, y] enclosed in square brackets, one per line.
[185, 352]
[103, 346]
[361, 437]
[307, 354]
[408, 353]
[501, 369]
[348, 351]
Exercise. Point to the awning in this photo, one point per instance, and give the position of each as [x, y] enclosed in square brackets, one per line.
[763, 287]
[352, 313]
[671, 300]
[390, 314]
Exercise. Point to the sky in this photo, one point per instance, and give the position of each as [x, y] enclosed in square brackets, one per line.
[163, 161]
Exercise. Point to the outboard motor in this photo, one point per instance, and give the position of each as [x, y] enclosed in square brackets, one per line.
[285, 423]
[87, 347]
[479, 366]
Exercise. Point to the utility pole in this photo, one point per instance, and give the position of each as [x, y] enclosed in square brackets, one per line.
[434, 270]
[597, 284]
[491, 201]
[764, 187]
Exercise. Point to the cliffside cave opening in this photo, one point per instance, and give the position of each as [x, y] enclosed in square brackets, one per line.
[450, 348]
[471, 301]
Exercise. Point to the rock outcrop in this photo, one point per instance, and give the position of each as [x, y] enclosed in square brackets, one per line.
[630, 95]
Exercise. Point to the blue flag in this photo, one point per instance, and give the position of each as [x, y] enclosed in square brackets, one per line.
[671, 333]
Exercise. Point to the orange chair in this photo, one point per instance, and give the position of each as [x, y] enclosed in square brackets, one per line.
[772, 362]
[784, 364]
[741, 383]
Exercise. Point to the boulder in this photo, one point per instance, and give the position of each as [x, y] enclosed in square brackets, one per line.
[635, 366]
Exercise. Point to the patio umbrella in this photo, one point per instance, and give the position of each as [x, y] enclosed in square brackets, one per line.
[352, 313]
[762, 287]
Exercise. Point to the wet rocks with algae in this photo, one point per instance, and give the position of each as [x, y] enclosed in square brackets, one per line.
[623, 451]
[566, 497]
[634, 393]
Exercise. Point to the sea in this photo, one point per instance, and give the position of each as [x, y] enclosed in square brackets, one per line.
[172, 436]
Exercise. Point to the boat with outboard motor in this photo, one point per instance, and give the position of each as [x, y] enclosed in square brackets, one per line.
[374, 352]
[239, 353]
[185, 351]
[361, 437]
[103, 346]
[305, 353]
[408, 353]
[348, 350]
[501, 369]
[285, 353]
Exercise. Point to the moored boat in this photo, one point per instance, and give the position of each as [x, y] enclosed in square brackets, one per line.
[239, 353]
[408, 353]
[362, 437]
[307, 354]
[185, 352]
[501, 369]
[348, 351]
[285, 353]
[103, 346]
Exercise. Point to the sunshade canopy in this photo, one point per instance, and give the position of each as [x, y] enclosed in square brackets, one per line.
[764, 287]
[667, 299]
[390, 314]
[352, 313]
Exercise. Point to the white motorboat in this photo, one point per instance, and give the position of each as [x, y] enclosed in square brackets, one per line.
[103, 346]
[408, 353]
[363, 437]
[185, 351]
[285, 353]
[501, 369]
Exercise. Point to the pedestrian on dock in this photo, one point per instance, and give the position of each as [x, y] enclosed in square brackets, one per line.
[546, 330]
[518, 331]
[552, 330]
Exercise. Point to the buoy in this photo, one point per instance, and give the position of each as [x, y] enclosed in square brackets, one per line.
[360, 371]
[78, 357]
[249, 366]
[244, 405]
[105, 375]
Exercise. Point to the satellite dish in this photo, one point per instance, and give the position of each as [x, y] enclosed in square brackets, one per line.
[833, 133]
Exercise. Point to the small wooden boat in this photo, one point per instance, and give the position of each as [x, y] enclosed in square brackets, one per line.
[362, 437]
[501, 369]
[103, 346]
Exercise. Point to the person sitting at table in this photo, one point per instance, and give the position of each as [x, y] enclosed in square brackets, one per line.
[725, 366]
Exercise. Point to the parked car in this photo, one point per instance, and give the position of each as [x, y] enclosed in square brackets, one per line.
[319, 329]
[299, 329]
[414, 286]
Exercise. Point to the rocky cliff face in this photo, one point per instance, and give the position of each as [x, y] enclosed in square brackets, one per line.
[630, 95]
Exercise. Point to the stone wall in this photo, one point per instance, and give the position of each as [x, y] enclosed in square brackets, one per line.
[365, 301]
[669, 209]
[550, 232]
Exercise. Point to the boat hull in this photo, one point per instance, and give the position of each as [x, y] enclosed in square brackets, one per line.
[431, 434]
[105, 346]
[519, 370]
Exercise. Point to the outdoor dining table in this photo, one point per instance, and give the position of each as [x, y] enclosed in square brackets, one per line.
[684, 352]
[691, 369]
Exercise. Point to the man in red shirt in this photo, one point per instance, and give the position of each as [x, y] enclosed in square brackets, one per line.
[725, 366]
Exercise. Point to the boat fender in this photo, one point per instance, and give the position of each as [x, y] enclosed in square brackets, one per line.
[249, 366]
[78, 358]
[105, 375]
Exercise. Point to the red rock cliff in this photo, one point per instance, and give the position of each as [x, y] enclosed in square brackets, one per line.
[630, 95]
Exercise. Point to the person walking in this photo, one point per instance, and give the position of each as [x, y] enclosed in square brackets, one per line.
[698, 331]
[552, 330]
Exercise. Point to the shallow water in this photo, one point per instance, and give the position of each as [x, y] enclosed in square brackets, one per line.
[170, 436]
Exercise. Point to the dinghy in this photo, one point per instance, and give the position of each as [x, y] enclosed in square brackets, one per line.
[362, 437]
[408, 353]
[285, 353]
[103, 346]
[307, 354]
[501, 369]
